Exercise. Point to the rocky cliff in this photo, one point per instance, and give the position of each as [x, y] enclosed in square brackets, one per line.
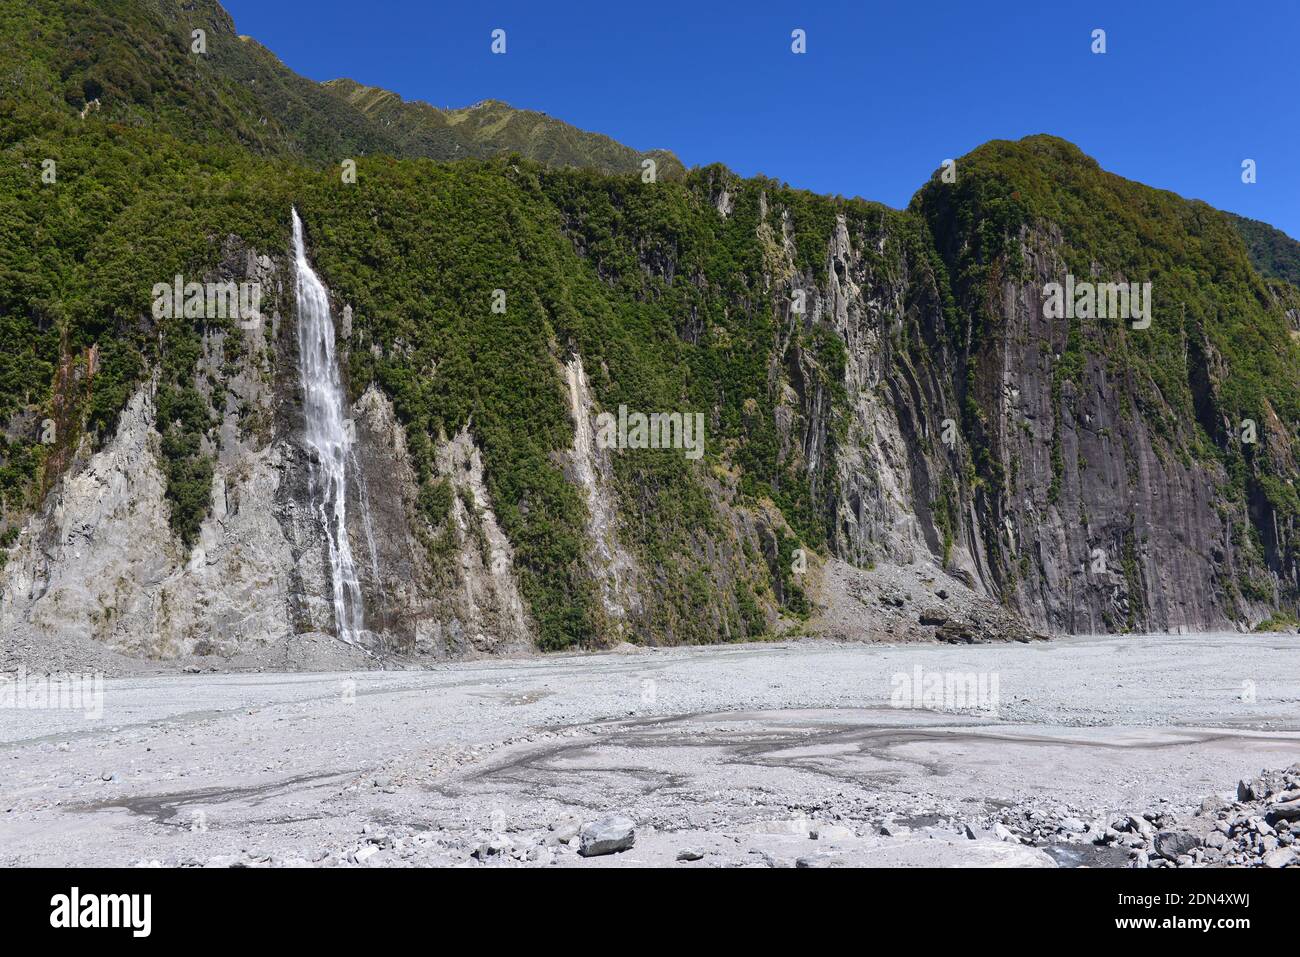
[899, 438]
[100, 560]
[1131, 473]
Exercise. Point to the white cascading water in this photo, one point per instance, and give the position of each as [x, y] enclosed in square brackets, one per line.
[327, 435]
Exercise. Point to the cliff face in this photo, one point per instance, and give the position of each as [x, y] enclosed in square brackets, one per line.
[100, 560]
[901, 423]
[1102, 524]
[900, 438]
[1131, 472]
[883, 477]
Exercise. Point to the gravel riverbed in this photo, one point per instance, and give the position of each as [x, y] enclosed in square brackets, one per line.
[1083, 751]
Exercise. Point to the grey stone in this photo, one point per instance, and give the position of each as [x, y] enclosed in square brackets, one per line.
[1282, 857]
[1171, 844]
[608, 835]
[565, 829]
[1140, 825]
[1284, 811]
[363, 854]
[1212, 804]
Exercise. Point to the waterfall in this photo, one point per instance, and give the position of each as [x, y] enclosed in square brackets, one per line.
[327, 435]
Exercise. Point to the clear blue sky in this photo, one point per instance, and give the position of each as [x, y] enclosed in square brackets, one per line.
[886, 91]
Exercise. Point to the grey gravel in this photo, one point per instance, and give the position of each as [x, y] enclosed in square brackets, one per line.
[743, 754]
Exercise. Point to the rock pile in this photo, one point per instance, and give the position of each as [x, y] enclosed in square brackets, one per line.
[917, 602]
[1260, 829]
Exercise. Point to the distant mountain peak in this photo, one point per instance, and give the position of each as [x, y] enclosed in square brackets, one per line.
[492, 126]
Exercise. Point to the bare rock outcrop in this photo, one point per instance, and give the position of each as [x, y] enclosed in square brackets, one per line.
[586, 465]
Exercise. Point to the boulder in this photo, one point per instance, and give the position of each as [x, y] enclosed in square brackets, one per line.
[608, 835]
[1140, 825]
[1282, 857]
[1174, 844]
[1284, 811]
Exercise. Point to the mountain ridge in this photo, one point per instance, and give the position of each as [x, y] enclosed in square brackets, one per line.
[132, 60]
[492, 126]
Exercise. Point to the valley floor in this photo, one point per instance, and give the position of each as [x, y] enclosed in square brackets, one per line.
[744, 755]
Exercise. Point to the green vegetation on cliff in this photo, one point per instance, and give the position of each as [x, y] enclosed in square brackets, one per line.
[1272, 252]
